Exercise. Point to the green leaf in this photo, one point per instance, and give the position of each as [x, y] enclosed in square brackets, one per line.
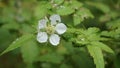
[114, 24]
[42, 9]
[92, 30]
[97, 55]
[84, 13]
[76, 4]
[65, 10]
[103, 47]
[77, 20]
[18, 43]
[81, 15]
[29, 51]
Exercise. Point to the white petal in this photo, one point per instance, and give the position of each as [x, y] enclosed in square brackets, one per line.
[42, 23]
[54, 19]
[53, 22]
[42, 37]
[54, 39]
[60, 28]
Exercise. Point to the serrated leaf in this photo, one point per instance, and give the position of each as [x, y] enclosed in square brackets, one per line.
[103, 47]
[92, 30]
[113, 24]
[29, 51]
[65, 10]
[81, 15]
[76, 4]
[97, 55]
[84, 13]
[42, 9]
[77, 20]
[18, 43]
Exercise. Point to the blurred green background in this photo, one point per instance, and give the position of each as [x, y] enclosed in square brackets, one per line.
[19, 17]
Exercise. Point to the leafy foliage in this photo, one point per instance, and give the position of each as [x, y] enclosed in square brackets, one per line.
[96, 53]
[18, 43]
[91, 40]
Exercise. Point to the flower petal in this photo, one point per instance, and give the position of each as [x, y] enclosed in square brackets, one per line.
[42, 23]
[60, 28]
[54, 19]
[42, 37]
[54, 39]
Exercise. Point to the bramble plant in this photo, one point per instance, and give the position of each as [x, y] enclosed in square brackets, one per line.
[60, 33]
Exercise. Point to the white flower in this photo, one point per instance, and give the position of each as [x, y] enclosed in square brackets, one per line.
[52, 29]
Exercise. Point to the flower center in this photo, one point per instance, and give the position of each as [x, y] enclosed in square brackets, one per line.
[50, 29]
